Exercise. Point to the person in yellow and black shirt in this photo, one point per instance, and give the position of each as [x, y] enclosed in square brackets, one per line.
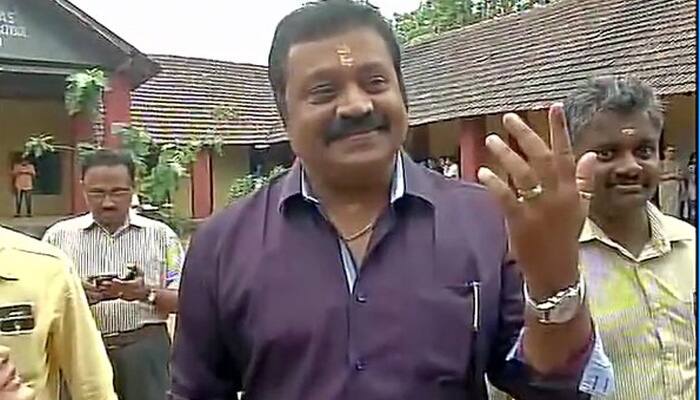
[46, 323]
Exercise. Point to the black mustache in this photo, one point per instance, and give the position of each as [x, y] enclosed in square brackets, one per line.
[343, 127]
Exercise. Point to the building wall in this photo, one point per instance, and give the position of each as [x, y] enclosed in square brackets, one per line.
[182, 199]
[680, 128]
[233, 164]
[20, 119]
[444, 139]
[539, 122]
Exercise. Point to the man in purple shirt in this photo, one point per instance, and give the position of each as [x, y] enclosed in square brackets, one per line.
[360, 275]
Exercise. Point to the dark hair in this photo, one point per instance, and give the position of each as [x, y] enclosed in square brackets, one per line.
[618, 94]
[108, 158]
[321, 19]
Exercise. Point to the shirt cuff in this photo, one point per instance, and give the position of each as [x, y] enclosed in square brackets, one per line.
[598, 377]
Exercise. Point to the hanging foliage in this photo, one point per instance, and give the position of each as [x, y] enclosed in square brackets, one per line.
[161, 167]
[248, 184]
[84, 92]
[40, 144]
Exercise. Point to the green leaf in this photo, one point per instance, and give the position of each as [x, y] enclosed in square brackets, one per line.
[84, 92]
[248, 184]
[434, 17]
[38, 145]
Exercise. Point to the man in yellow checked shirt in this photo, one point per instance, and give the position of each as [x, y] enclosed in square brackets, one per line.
[639, 264]
[46, 326]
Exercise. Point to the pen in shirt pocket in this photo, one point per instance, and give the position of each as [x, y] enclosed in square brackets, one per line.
[476, 309]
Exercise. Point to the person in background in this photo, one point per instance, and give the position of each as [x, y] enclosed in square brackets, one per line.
[23, 174]
[690, 190]
[639, 263]
[435, 165]
[46, 324]
[361, 275]
[431, 164]
[130, 267]
[670, 184]
[451, 168]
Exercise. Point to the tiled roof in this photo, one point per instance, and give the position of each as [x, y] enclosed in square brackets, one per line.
[525, 61]
[518, 62]
[181, 101]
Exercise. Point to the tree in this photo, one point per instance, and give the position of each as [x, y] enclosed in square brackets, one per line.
[84, 92]
[160, 167]
[434, 17]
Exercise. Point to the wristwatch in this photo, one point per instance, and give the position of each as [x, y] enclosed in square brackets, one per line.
[151, 299]
[559, 308]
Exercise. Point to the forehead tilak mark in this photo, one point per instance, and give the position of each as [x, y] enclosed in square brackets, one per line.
[628, 131]
[345, 55]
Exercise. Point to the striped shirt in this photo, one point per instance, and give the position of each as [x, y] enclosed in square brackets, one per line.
[644, 306]
[150, 245]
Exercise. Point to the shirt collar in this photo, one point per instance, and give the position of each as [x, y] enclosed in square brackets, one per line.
[87, 221]
[409, 179]
[662, 235]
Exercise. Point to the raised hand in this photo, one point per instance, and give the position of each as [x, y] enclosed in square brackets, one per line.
[546, 213]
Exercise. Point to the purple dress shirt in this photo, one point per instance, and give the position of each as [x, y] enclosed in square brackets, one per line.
[265, 306]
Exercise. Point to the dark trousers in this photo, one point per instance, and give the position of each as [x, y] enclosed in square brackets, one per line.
[25, 195]
[692, 206]
[141, 369]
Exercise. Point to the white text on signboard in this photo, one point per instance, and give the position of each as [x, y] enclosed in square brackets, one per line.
[9, 28]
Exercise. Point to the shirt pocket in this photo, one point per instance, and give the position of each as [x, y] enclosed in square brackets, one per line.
[19, 333]
[448, 320]
[17, 319]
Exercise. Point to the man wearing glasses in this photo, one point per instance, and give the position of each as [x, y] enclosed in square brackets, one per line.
[130, 267]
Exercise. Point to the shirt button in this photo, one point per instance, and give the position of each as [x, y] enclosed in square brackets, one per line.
[360, 365]
[361, 298]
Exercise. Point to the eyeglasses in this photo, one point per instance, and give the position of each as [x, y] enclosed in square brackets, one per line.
[98, 195]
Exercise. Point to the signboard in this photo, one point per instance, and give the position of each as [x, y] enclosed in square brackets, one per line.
[11, 27]
[39, 31]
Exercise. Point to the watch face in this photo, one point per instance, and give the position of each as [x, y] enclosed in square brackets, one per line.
[557, 311]
[565, 311]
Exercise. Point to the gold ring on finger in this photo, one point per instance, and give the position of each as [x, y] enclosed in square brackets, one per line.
[529, 194]
[585, 195]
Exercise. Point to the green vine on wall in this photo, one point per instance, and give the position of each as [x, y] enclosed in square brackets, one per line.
[84, 92]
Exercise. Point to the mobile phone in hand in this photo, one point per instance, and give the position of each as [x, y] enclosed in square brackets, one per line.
[100, 279]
